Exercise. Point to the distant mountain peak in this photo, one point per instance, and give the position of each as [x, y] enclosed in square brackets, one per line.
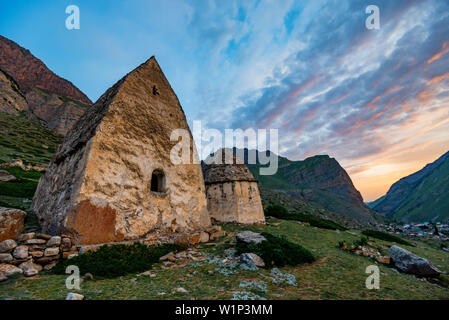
[319, 180]
[421, 196]
[30, 72]
[28, 86]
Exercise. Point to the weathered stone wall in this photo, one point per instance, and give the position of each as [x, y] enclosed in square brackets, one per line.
[235, 202]
[98, 186]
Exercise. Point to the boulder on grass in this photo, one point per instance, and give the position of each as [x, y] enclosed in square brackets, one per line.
[252, 259]
[74, 296]
[28, 268]
[11, 223]
[250, 237]
[5, 176]
[409, 262]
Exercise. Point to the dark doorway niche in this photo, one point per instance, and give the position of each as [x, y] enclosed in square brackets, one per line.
[158, 181]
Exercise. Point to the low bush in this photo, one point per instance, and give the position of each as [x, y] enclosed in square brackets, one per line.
[111, 261]
[277, 251]
[280, 212]
[386, 236]
[21, 189]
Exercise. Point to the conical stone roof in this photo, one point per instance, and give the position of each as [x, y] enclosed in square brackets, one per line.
[228, 168]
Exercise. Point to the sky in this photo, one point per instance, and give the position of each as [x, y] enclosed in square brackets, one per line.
[376, 100]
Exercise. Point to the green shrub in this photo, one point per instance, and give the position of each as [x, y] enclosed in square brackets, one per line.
[362, 242]
[111, 261]
[277, 251]
[276, 210]
[280, 212]
[386, 236]
[20, 189]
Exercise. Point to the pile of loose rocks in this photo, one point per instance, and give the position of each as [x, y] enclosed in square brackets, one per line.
[31, 252]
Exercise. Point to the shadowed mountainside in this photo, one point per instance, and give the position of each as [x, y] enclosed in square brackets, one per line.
[422, 196]
[26, 84]
[318, 180]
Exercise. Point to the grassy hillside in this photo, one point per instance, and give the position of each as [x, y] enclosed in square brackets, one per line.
[336, 274]
[430, 198]
[25, 139]
[319, 181]
[421, 196]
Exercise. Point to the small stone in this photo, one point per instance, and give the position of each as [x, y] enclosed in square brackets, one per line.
[9, 269]
[385, 260]
[204, 237]
[74, 296]
[211, 272]
[180, 255]
[88, 248]
[5, 176]
[214, 229]
[3, 277]
[252, 259]
[65, 255]
[38, 267]
[36, 254]
[88, 276]
[153, 275]
[51, 252]
[133, 280]
[20, 252]
[250, 237]
[50, 265]
[71, 256]
[54, 241]
[7, 245]
[217, 235]
[167, 256]
[43, 236]
[5, 257]
[66, 244]
[11, 223]
[181, 290]
[28, 269]
[36, 241]
[26, 236]
[37, 247]
[45, 260]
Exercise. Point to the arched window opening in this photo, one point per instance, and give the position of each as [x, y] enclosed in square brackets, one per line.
[158, 181]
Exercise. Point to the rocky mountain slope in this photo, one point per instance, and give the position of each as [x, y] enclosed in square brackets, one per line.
[319, 180]
[421, 196]
[27, 85]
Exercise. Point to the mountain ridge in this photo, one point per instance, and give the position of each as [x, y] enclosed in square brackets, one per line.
[318, 180]
[28, 86]
[419, 196]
